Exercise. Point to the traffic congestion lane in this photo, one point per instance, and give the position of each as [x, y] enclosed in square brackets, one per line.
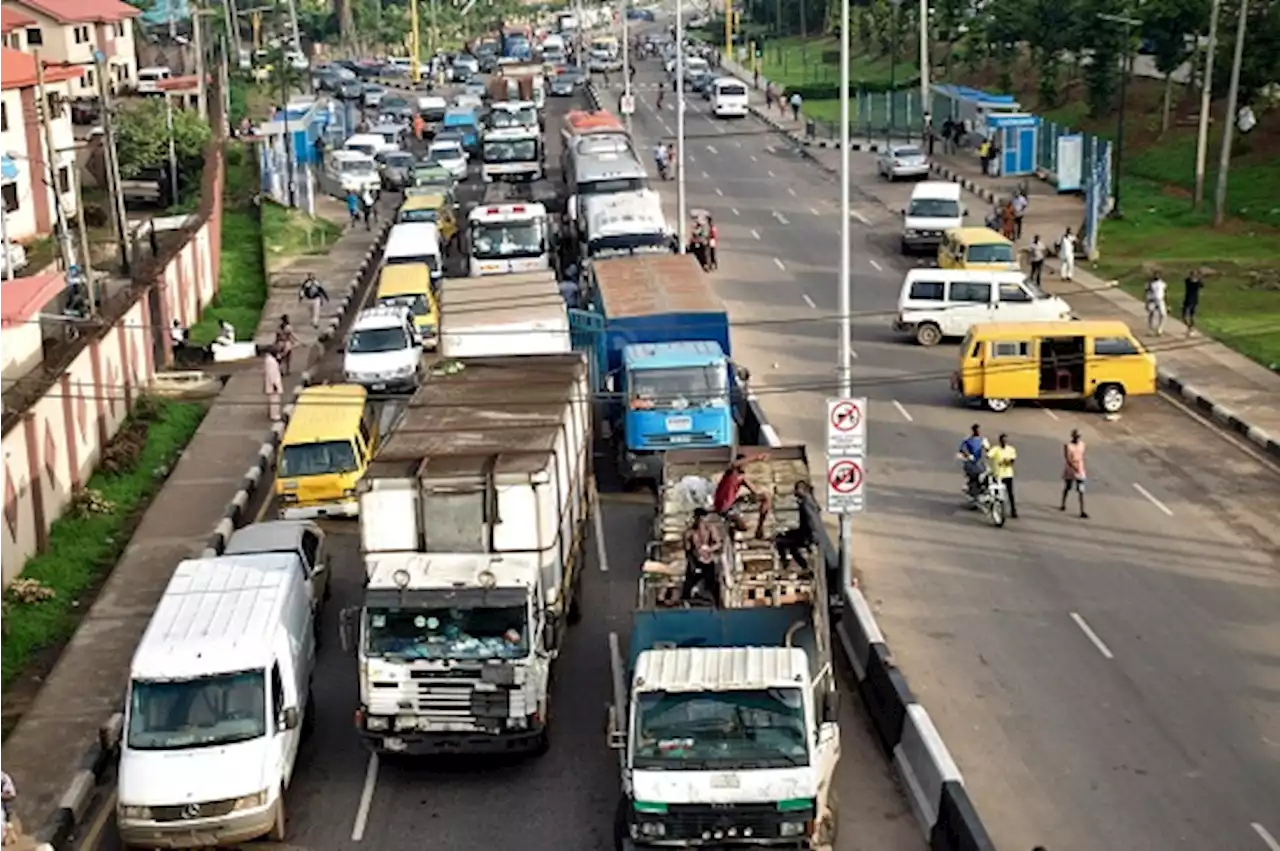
[974, 627]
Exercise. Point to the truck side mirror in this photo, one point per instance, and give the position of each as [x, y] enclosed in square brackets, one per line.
[830, 707]
[617, 738]
[346, 628]
[289, 718]
[550, 629]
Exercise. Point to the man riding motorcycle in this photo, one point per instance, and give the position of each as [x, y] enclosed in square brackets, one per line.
[973, 452]
[661, 159]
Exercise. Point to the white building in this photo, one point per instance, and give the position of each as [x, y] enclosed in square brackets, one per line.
[67, 32]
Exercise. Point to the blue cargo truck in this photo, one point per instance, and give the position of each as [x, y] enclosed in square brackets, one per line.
[659, 341]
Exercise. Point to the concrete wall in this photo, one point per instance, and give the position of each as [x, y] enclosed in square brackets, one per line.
[53, 449]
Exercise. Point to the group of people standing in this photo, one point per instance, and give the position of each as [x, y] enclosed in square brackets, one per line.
[980, 458]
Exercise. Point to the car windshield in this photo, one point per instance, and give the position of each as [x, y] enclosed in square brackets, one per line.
[317, 459]
[677, 389]
[758, 728]
[366, 341]
[422, 214]
[623, 245]
[399, 161]
[437, 153]
[355, 166]
[493, 240]
[417, 304]
[907, 153]
[394, 102]
[990, 253]
[525, 116]
[205, 712]
[447, 633]
[510, 150]
[934, 208]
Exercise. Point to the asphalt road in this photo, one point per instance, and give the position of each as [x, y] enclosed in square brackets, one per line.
[1109, 683]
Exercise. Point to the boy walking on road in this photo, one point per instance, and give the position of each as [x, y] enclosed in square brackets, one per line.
[1191, 298]
[1073, 472]
[1003, 456]
[1037, 252]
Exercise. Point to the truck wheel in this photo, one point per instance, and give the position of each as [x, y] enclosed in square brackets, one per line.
[309, 719]
[928, 334]
[278, 827]
[1111, 398]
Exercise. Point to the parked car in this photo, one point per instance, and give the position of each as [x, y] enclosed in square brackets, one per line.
[902, 161]
[350, 90]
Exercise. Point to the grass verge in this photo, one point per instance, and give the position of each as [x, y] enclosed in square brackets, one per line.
[292, 233]
[1240, 305]
[42, 607]
[242, 279]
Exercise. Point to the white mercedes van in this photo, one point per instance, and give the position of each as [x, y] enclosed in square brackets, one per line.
[938, 303]
[219, 701]
[934, 209]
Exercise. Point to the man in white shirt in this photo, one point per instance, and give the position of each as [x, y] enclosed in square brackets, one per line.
[1067, 255]
[1157, 304]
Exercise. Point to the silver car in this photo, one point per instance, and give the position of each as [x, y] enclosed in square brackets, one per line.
[902, 161]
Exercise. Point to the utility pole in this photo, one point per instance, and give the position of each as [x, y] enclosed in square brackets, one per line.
[113, 160]
[202, 84]
[1228, 123]
[224, 84]
[1206, 106]
[226, 17]
[681, 195]
[925, 105]
[234, 32]
[1125, 73]
[845, 345]
[293, 22]
[626, 64]
[43, 109]
[415, 47]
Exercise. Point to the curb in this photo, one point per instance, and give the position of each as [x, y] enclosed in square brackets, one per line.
[1225, 417]
[933, 784]
[593, 96]
[56, 831]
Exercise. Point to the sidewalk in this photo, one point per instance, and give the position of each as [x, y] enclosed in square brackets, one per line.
[48, 748]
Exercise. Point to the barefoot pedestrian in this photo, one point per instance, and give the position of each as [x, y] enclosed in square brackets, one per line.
[1073, 471]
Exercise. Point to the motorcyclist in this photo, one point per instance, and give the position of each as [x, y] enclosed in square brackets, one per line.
[661, 158]
[973, 452]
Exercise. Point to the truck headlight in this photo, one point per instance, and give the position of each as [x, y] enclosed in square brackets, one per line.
[406, 722]
[251, 802]
[911, 232]
[652, 829]
[126, 811]
[792, 828]
[375, 722]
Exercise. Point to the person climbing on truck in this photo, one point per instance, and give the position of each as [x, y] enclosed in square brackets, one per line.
[703, 544]
[728, 496]
[792, 543]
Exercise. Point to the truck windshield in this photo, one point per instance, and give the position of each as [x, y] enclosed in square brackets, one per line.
[218, 710]
[373, 340]
[495, 240]
[686, 387]
[317, 459]
[632, 243]
[721, 730]
[447, 633]
[511, 151]
[525, 116]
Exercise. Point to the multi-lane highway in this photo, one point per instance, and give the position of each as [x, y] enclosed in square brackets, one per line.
[1104, 683]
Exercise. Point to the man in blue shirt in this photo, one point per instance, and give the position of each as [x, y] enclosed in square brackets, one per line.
[973, 452]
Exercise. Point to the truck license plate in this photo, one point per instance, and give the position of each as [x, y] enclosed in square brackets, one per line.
[679, 423]
[393, 743]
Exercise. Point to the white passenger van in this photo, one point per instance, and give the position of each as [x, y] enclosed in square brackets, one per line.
[383, 352]
[149, 79]
[934, 209]
[415, 242]
[370, 144]
[219, 700]
[938, 303]
[354, 171]
[729, 98]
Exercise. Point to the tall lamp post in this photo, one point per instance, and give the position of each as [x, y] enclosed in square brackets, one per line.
[1128, 24]
[893, 68]
[846, 285]
[681, 198]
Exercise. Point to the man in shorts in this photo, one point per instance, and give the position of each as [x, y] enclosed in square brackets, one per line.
[729, 492]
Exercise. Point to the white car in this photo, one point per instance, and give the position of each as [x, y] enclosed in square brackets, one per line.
[383, 351]
[902, 161]
[449, 155]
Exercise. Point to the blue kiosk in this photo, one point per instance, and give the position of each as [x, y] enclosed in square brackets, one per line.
[1018, 134]
[989, 115]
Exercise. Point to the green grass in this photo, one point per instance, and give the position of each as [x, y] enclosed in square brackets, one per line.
[292, 233]
[796, 62]
[84, 545]
[1240, 305]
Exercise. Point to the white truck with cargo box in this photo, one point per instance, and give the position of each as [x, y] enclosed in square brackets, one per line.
[725, 717]
[219, 700]
[473, 519]
[501, 315]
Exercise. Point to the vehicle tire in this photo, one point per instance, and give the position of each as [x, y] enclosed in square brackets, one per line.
[998, 513]
[998, 406]
[928, 334]
[279, 828]
[1110, 398]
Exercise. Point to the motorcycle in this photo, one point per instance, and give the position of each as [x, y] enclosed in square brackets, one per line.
[663, 169]
[990, 497]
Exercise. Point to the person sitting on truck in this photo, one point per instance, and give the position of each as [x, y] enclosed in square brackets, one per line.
[703, 544]
[792, 544]
[729, 494]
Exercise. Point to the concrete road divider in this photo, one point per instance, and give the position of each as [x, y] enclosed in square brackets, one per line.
[59, 826]
[887, 696]
[958, 827]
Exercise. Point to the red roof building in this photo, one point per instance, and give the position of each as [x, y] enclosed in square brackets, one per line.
[82, 11]
[71, 32]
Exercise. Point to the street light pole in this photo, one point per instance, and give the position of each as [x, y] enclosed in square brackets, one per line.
[681, 199]
[1128, 24]
[893, 69]
[1206, 105]
[846, 283]
[1229, 125]
[626, 63]
[924, 62]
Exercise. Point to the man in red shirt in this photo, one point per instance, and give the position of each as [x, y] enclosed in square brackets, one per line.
[730, 487]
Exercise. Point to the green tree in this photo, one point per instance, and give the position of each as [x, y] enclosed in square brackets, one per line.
[1171, 26]
[142, 137]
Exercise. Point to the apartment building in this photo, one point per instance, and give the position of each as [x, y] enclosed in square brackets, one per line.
[30, 188]
[67, 32]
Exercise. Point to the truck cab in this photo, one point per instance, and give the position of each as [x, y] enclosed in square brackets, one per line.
[506, 238]
[677, 394]
[511, 153]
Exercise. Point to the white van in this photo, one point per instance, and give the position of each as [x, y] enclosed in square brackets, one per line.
[219, 700]
[934, 209]
[371, 144]
[383, 352]
[415, 242]
[729, 98]
[937, 303]
[353, 171]
[148, 78]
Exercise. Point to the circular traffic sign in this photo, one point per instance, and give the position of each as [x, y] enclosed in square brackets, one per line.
[846, 416]
[845, 476]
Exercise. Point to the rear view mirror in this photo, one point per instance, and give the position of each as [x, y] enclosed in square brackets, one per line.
[617, 738]
[742, 374]
[289, 718]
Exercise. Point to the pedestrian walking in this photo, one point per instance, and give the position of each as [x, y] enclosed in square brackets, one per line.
[1157, 304]
[929, 135]
[768, 97]
[1003, 456]
[272, 383]
[1191, 288]
[315, 296]
[984, 155]
[1008, 220]
[353, 207]
[796, 102]
[1036, 253]
[286, 342]
[1019, 204]
[1067, 255]
[948, 136]
[368, 204]
[1073, 471]
[713, 244]
[993, 159]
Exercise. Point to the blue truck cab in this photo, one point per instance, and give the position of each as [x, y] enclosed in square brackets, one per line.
[466, 122]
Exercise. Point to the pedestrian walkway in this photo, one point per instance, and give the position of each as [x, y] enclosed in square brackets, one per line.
[45, 750]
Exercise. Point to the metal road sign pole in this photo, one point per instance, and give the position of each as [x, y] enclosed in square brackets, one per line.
[846, 284]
